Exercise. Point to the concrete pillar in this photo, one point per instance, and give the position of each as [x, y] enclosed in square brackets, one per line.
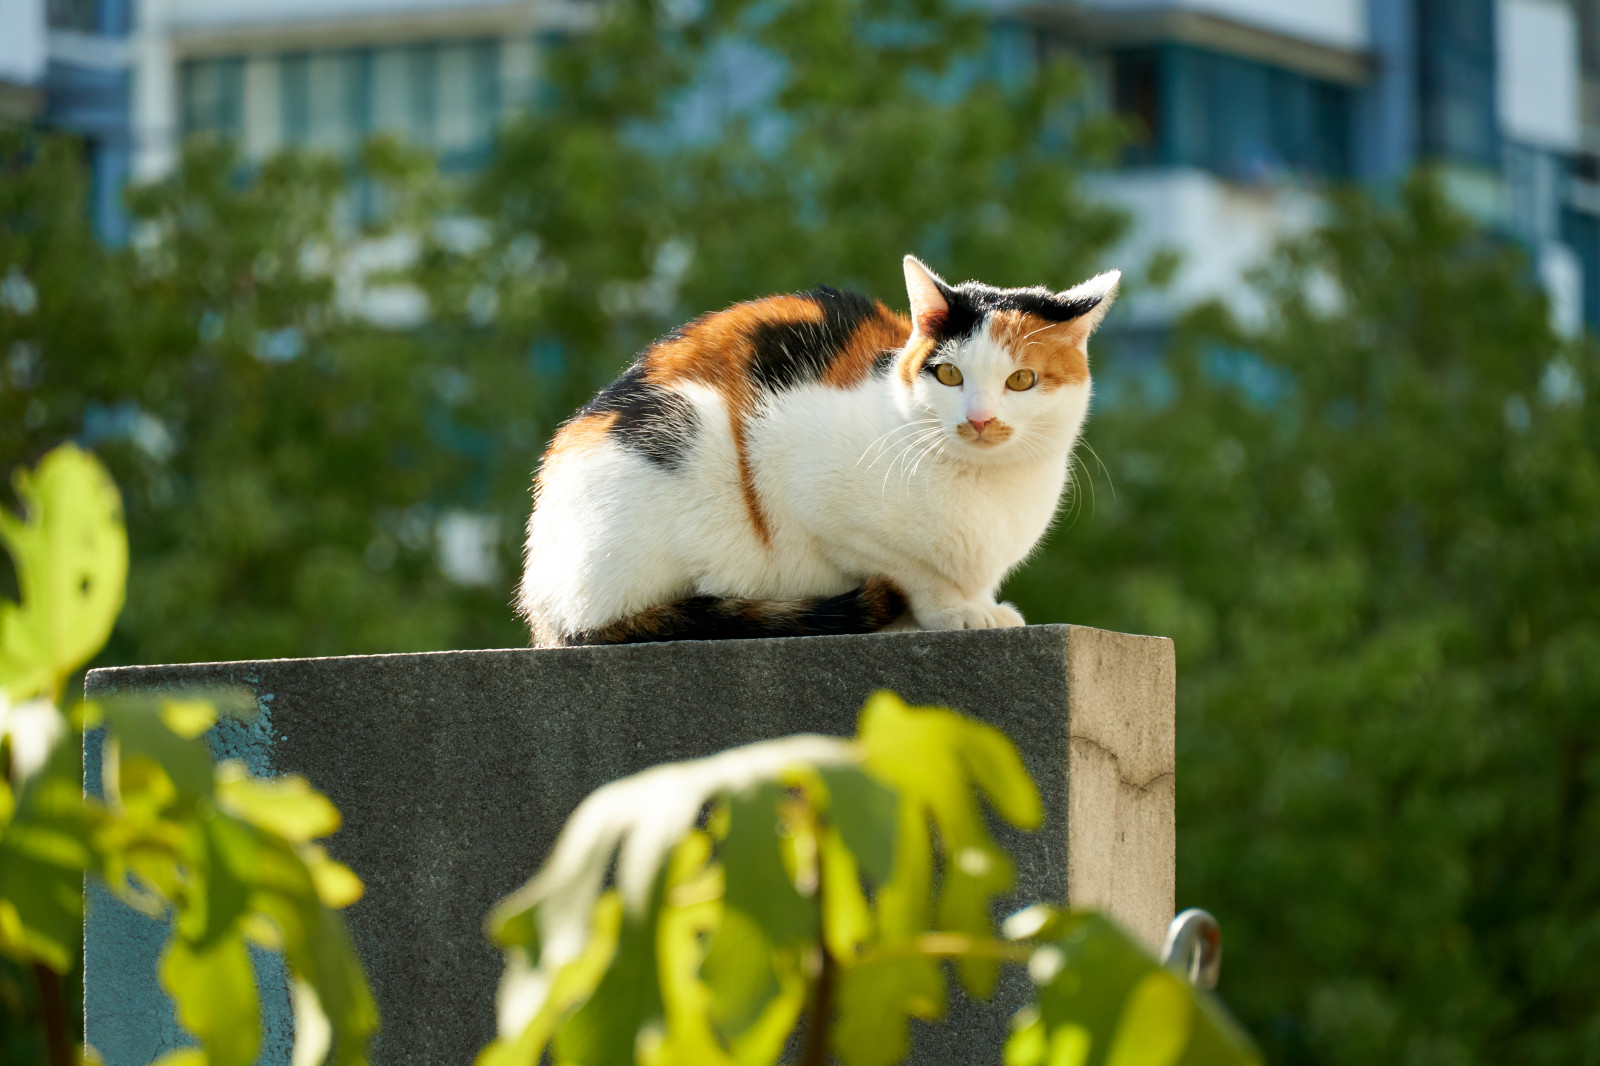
[455, 771]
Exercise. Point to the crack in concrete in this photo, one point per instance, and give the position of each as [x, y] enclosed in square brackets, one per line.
[1115, 758]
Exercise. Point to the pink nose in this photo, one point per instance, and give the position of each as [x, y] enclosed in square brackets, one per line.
[979, 423]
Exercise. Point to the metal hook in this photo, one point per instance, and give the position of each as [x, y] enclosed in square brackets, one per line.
[1194, 948]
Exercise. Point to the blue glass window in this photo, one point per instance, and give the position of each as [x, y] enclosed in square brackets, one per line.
[1456, 71]
[213, 96]
[1241, 119]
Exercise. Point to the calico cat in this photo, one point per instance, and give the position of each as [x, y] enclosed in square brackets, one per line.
[815, 463]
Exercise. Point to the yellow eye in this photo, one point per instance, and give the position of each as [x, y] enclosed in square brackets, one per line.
[1021, 381]
[947, 373]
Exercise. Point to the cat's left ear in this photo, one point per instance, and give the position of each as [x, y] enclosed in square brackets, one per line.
[929, 308]
[1095, 295]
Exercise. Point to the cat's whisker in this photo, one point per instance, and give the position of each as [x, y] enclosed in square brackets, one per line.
[897, 429]
[937, 444]
[906, 450]
[1109, 482]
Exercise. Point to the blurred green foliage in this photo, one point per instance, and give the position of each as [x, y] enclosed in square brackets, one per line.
[228, 859]
[1368, 518]
[807, 904]
[1371, 521]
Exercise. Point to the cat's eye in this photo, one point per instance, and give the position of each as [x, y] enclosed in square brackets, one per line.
[1021, 381]
[947, 373]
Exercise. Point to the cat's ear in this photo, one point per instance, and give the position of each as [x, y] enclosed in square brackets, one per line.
[929, 308]
[1095, 296]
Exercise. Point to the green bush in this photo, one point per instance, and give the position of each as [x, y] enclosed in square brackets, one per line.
[228, 859]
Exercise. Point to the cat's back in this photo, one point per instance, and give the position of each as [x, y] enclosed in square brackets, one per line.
[657, 410]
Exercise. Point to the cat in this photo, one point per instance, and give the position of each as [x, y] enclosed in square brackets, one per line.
[815, 463]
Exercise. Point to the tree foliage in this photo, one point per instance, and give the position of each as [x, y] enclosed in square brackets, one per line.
[1369, 520]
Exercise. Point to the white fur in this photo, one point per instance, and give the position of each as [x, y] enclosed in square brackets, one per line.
[872, 481]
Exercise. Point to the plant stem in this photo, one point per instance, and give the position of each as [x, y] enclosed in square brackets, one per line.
[58, 1044]
[816, 1053]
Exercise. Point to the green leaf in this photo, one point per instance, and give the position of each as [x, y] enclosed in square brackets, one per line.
[214, 993]
[1157, 1019]
[135, 724]
[45, 850]
[1095, 980]
[739, 972]
[864, 811]
[877, 999]
[606, 1029]
[757, 882]
[287, 806]
[71, 558]
[934, 758]
[218, 889]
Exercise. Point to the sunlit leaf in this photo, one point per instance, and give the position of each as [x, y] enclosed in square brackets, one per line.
[757, 882]
[184, 1056]
[336, 884]
[606, 1029]
[217, 886]
[287, 806]
[1093, 977]
[933, 758]
[846, 915]
[637, 821]
[214, 995]
[1157, 1018]
[864, 812]
[70, 552]
[188, 718]
[134, 722]
[877, 999]
[531, 1002]
[738, 969]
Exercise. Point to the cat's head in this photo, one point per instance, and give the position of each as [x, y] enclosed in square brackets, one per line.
[1004, 371]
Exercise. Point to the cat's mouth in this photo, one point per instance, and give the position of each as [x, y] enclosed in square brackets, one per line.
[993, 433]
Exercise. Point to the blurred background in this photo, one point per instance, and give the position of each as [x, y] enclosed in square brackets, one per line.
[318, 279]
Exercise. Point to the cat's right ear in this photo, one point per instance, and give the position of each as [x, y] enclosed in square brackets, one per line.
[929, 308]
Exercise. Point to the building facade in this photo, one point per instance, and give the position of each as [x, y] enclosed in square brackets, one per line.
[1248, 106]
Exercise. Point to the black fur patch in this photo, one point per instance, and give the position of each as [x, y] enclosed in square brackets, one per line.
[786, 354]
[655, 422]
[971, 300]
[864, 610]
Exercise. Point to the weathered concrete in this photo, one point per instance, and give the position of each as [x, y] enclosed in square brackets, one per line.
[455, 770]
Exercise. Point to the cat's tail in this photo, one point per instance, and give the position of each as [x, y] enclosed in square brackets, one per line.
[876, 604]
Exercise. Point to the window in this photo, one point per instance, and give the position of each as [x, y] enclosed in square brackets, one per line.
[1457, 87]
[444, 96]
[213, 96]
[79, 15]
[1238, 118]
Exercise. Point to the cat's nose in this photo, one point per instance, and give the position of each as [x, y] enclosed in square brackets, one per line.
[979, 423]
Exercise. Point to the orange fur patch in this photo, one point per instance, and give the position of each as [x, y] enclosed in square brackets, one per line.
[916, 354]
[885, 332]
[581, 434]
[1053, 350]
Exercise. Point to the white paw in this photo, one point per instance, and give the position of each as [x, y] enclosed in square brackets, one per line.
[971, 616]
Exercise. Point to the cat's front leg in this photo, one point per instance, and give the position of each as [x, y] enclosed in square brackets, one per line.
[936, 607]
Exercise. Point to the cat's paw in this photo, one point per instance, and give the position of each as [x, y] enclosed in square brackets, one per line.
[971, 616]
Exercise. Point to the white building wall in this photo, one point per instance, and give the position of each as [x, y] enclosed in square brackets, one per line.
[229, 13]
[1220, 229]
[1336, 23]
[22, 41]
[1538, 91]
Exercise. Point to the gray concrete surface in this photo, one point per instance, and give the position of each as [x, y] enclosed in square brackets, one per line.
[455, 770]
